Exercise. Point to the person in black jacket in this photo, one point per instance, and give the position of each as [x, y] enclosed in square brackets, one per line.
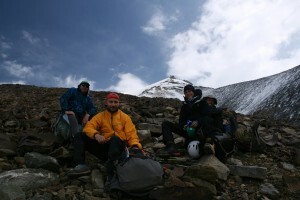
[215, 113]
[194, 111]
[213, 125]
[201, 114]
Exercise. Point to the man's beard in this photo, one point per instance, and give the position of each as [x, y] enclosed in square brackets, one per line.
[112, 109]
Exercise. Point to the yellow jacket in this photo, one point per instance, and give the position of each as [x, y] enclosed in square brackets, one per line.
[108, 124]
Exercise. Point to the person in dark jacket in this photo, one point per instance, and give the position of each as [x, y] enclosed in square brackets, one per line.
[215, 113]
[194, 111]
[78, 105]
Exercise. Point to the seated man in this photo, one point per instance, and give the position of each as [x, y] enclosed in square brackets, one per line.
[215, 113]
[193, 109]
[223, 122]
[107, 135]
[78, 105]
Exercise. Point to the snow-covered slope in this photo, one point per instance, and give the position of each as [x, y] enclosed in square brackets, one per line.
[276, 96]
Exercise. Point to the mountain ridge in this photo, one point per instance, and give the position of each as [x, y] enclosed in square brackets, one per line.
[276, 97]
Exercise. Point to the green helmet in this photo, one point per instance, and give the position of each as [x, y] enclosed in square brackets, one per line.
[84, 82]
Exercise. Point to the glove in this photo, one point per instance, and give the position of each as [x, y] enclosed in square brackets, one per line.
[136, 152]
[194, 124]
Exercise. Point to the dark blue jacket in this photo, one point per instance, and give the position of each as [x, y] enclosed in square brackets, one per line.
[74, 100]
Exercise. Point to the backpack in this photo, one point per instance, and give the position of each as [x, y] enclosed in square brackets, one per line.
[225, 145]
[61, 127]
[135, 176]
[248, 137]
[230, 124]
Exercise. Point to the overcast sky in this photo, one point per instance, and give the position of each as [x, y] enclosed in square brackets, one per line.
[125, 45]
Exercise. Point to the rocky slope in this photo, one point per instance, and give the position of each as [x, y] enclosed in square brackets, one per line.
[34, 164]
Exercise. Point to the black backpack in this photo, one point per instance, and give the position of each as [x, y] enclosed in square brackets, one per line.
[136, 177]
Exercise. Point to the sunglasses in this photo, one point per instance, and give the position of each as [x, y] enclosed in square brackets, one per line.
[85, 85]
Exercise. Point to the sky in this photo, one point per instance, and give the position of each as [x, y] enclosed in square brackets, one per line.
[126, 45]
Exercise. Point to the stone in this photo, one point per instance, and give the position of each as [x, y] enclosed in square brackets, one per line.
[37, 160]
[287, 166]
[177, 172]
[248, 171]
[7, 152]
[11, 192]
[297, 157]
[188, 193]
[233, 161]
[28, 178]
[97, 179]
[269, 190]
[203, 172]
[144, 135]
[212, 161]
[292, 182]
[204, 184]
[174, 181]
[156, 129]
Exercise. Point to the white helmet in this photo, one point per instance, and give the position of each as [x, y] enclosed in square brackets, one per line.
[194, 149]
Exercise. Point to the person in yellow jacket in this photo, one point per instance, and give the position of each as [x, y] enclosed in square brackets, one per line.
[107, 135]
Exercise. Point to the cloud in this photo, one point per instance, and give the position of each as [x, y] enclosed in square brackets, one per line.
[235, 41]
[29, 37]
[128, 84]
[3, 55]
[18, 70]
[72, 81]
[157, 23]
[5, 45]
[14, 82]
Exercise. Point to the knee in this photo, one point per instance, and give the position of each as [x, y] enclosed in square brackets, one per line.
[78, 134]
[115, 138]
[166, 124]
[78, 137]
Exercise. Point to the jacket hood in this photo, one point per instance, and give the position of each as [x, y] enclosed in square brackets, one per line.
[197, 97]
[211, 97]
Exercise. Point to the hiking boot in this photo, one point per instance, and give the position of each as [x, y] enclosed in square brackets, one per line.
[79, 170]
[169, 151]
[209, 149]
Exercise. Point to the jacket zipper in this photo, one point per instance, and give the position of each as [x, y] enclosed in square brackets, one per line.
[111, 121]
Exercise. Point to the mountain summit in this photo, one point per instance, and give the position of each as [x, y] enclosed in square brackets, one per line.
[276, 97]
[169, 88]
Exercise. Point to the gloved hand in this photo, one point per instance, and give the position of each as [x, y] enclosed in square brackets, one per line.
[136, 152]
[194, 124]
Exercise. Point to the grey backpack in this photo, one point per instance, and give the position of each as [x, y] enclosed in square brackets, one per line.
[61, 127]
[136, 177]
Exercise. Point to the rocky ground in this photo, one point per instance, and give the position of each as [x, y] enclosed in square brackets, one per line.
[34, 164]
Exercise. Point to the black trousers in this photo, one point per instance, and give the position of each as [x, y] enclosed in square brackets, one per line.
[111, 150]
[169, 127]
[206, 129]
